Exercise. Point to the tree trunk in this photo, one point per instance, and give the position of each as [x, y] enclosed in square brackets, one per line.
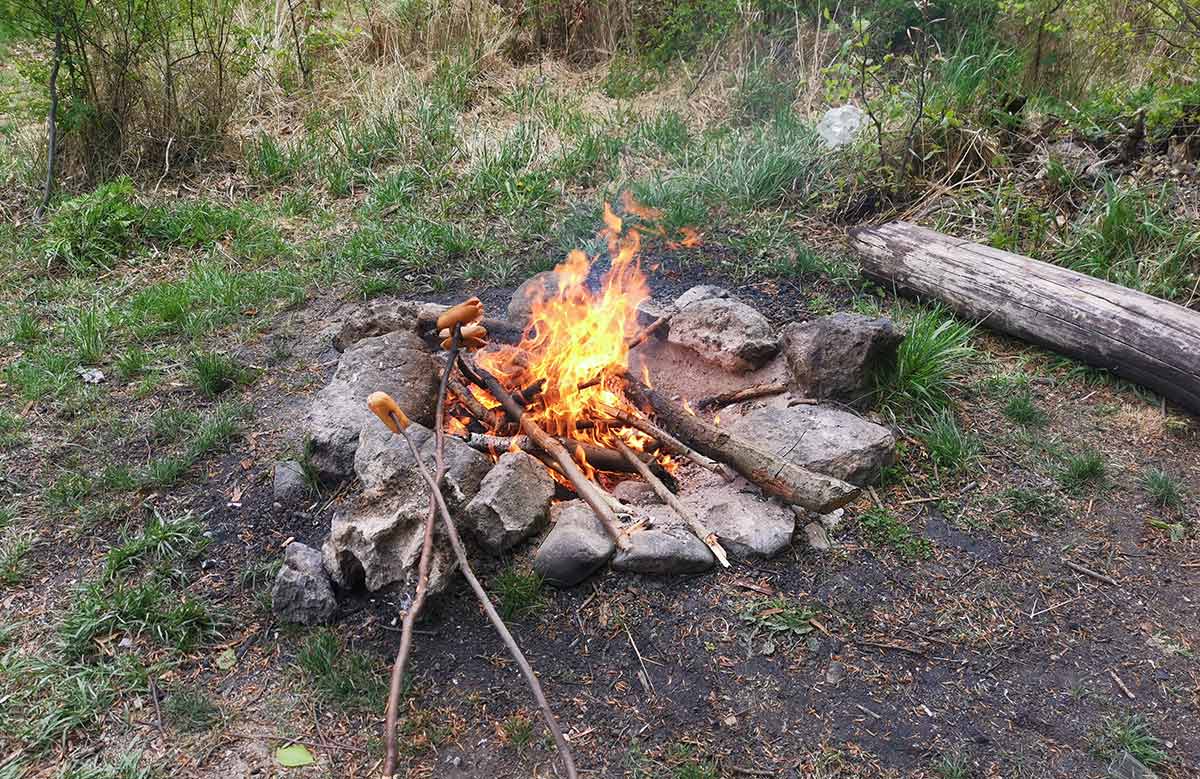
[1138, 336]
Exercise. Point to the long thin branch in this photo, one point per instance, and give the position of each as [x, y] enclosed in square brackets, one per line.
[694, 524]
[669, 442]
[410, 616]
[551, 446]
[51, 124]
[564, 750]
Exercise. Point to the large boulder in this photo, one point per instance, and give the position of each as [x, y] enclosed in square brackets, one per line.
[376, 543]
[725, 332]
[536, 288]
[512, 504]
[575, 547]
[746, 525]
[302, 592]
[837, 357]
[822, 439]
[396, 363]
[667, 548]
[380, 317]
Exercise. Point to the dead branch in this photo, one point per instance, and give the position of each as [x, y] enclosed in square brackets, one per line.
[586, 489]
[410, 616]
[737, 396]
[460, 552]
[775, 475]
[694, 524]
[598, 457]
[650, 330]
[668, 441]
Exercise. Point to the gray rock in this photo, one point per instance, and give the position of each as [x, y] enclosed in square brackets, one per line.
[290, 486]
[746, 525]
[839, 125]
[837, 357]
[380, 317]
[725, 332]
[636, 493]
[665, 549]
[649, 311]
[396, 363]
[575, 547]
[822, 439]
[537, 287]
[376, 543]
[302, 592]
[702, 292]
[818, 538]
[513, 502]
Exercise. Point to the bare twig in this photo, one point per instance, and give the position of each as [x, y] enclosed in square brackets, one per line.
[650, 330]
[1128, 692]
[1077, 568]
[410, 616]
[460, 552]
[746, 393]
[695, 525]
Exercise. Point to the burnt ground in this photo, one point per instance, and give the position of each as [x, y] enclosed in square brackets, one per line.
[991, 650]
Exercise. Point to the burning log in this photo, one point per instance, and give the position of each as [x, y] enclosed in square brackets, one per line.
[776, 476]
[669, 442]
[598, 457]
[549, 444]
[737, 396]
[695, 525]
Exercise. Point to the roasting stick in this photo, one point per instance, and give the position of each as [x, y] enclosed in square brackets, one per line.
[669, 442]
[399, 423]
[410, 616]
[549, 444]
[703, 533]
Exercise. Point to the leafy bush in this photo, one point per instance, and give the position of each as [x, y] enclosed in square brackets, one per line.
[94, 231]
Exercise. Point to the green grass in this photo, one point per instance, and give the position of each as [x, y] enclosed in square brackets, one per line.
[149, 610]
[12, 430]
[954, 765]
[952, 449]
[88, 332]
[68, 491]
[42, 374]
[686, 764]
[93, 232]
[1034, 501]
[518, 592]
[25, 330]
[191, 710]
[208, 435]
[213, 373]
[14, 565]
[931, 359]
[1129, 733]
[339, 676]
[882, 527]
[1021, 409]
[129, 766]
[780, 615]
[161, 539]
[1086, 469]
[518, 731]
[1163, 488]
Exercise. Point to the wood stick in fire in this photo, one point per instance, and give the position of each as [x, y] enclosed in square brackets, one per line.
[669, 442]
[694, 524]
[775, 475]
[549, 444]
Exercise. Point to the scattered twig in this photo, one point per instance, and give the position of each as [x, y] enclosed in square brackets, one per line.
[460, 552]
[644, 676]
[410, 616]
[737, 769]
[737, 396]
[660, 489]
[158, 721]
[1128, 693]
[650, 330]
[865, 710]
[1077, 568]
[668, 441]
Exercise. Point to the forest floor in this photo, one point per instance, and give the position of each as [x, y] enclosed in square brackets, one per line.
[138, 540]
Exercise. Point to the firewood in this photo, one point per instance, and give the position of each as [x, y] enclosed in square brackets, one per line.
[694, 524]
[737, 396]
[586, 489]
[668, 441]
[774, 475]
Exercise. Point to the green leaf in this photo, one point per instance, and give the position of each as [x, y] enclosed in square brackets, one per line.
[294, 756]
[226, 660]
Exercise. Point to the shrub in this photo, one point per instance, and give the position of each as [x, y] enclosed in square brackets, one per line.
[94, 231]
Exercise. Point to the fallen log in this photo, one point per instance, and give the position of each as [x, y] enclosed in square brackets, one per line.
[776, 476]
[1135, 335]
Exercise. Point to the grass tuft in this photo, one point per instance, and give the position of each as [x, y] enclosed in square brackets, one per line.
[1083, 470]
[340, 676]
[214, 373]
[162, 539]
[952, 449]
[1021, 409]
[148, 609]
[94, 231]
[1163, 488]
[882, 527]
[191, 711]
[518, 592]
[928, 363]
[1130, 733]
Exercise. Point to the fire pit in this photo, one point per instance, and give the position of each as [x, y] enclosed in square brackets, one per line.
[656, 438]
